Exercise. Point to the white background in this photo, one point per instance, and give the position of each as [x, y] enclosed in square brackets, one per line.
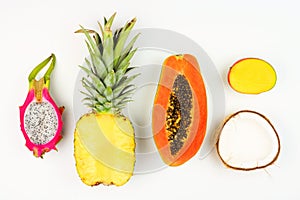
[227, 30]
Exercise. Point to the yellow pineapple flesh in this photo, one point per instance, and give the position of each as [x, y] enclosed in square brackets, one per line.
[104, 149]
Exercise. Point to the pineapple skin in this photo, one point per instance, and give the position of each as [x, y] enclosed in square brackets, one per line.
[91, 169]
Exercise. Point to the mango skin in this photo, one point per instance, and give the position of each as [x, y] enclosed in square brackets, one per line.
[252, 76]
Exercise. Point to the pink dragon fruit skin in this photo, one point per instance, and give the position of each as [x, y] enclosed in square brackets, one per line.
[41, 119]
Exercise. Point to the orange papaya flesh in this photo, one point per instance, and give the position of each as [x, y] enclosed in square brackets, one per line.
[179, 116]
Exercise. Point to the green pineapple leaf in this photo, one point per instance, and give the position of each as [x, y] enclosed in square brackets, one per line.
[91, 42]
[96, 81]
[122, 37]
[108, 93]
[126, 60]
[110, 79]
[108, 88]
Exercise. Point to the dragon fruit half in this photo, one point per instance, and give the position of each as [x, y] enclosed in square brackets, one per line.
[41, 119]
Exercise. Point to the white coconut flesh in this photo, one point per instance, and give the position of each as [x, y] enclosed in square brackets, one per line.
[248, 141]
[40, 122]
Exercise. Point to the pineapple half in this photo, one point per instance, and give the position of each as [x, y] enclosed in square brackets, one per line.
[104, 145]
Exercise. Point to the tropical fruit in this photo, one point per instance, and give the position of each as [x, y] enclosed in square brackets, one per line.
[179, 116]
[41, 118]
[248, 141]
[252, 76]
[104, 145]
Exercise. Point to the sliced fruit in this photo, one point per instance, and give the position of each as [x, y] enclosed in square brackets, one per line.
[179, 115]
[104, 145]
[99, 153]
[252, 76]
[248, 141]
[41, 120]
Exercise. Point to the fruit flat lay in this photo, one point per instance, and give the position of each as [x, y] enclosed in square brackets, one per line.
[149, 100]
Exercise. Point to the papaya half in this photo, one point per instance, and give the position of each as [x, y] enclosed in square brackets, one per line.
[179, 115]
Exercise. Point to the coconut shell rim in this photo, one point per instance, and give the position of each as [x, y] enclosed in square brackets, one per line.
[250, 168]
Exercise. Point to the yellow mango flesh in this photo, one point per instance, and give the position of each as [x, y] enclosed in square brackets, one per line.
[104, 149]
[252, 76]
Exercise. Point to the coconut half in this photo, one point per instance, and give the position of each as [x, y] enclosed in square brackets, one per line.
[248, 141]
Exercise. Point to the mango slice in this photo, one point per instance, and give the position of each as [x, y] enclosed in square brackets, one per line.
[252, 76]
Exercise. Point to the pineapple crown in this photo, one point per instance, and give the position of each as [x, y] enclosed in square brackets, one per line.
[107, 83]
